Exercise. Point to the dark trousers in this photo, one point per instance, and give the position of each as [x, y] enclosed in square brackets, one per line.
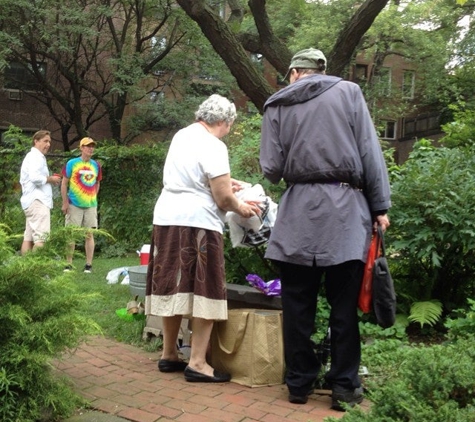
[300, 288]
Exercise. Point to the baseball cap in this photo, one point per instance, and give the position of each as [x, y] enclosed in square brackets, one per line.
[86, 141]
[306, 59]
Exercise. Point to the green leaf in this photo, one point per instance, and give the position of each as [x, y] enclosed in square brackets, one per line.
[428, 312]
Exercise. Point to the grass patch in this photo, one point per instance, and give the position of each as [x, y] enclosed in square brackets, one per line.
[104, 299]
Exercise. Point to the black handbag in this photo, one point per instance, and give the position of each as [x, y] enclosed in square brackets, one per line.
[384, 295]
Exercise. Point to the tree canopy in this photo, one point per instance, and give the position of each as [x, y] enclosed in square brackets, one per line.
[101, 56]
[114, 59]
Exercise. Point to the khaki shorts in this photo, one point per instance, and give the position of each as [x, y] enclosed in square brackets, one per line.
[38, 222]
[81, 217]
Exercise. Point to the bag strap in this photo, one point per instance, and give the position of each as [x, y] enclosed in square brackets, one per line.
[239, 335]
[381, 241]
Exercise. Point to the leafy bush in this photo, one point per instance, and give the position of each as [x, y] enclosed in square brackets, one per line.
[14, 145]
[462, 323]
[432, 236]
[243, 144]
[429, 384]
[461, 131]
[39, 321]
[370, 331]
[131, 185]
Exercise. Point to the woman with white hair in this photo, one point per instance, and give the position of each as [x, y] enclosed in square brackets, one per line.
[186, 269]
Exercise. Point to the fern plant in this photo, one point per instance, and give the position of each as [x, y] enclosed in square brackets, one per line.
[427, 312]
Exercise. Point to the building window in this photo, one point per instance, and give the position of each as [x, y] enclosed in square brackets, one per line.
[360, 73]
[408, 82]
[19, 76]
[422, 125]
[388, 130]
[383, 81]
[409, 127]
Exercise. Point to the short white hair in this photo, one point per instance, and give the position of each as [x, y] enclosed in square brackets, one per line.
[216, 109]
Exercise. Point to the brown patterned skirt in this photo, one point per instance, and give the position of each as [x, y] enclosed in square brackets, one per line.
[186, 273]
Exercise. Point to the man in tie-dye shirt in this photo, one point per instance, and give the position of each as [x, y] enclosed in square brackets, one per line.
[81, 182]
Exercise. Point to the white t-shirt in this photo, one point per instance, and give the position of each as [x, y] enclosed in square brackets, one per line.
[194, 157]
[33, 179]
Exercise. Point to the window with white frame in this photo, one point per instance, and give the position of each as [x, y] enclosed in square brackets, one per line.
[408, 83]
[387, 129]
[383, 81]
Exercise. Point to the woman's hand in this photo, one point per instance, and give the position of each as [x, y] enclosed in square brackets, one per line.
[248, 209]
[237, 185]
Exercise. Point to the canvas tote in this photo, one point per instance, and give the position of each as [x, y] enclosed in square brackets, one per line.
[249, 346]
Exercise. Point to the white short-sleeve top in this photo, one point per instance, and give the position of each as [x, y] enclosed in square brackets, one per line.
[195, 156]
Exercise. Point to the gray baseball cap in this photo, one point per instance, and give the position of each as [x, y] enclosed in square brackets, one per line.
[306, 59]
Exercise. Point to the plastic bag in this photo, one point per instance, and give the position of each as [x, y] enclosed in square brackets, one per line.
[113, 275]
[365, 298]
[270, 288]
[253, 231]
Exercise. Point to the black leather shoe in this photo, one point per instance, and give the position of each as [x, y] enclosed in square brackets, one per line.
[194, 376]
[165, 365]
[343, 398]
[298, 399]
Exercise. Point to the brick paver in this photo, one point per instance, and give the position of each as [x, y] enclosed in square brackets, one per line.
[123, 380]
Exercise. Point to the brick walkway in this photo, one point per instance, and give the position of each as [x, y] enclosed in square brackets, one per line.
[123, 380]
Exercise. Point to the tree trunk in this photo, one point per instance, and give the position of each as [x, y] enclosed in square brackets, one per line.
[350, 36]
[230, 49]
[249, 79]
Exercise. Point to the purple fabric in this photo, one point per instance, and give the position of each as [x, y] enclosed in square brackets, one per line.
[270, 288]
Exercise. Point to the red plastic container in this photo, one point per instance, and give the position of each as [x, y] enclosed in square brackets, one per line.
[144, 254]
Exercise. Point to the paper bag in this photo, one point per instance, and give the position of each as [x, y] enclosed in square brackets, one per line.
[249, 346]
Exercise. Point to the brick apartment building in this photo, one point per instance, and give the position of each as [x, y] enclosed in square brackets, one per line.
[20, 109]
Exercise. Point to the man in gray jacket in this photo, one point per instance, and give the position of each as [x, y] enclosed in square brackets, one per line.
[318, 136]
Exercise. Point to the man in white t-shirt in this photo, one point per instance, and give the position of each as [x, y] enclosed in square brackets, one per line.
[37, 193]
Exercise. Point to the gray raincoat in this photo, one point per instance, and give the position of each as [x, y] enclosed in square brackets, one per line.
[318, 136]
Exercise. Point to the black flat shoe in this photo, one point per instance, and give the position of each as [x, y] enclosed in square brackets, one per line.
[165, 365]
[298, 399]
[194, 376]
[343, 398]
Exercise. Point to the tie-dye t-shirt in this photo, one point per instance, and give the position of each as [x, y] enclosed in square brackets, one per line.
[83, 177]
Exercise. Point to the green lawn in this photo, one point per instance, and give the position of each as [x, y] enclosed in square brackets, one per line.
[104, 299]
